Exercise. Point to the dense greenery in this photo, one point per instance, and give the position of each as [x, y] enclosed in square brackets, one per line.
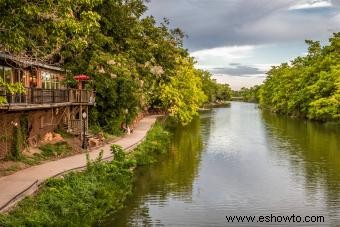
[309, 86]
[214, 91]
[19, 137]
[134, 63]
[78, 199]
[85, 198]
[156, 142]
[248, 94]
[10, 88]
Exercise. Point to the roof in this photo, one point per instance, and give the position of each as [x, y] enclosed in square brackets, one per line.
[29, 63]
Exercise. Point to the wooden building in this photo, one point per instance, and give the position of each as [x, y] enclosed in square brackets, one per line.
[46, 104]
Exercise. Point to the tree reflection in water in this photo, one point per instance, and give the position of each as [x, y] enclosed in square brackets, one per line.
[313, 149]
[156, 182]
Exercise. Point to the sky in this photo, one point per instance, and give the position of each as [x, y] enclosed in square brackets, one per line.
[239, 40]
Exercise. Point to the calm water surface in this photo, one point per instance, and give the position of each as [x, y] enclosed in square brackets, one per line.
[239, 161]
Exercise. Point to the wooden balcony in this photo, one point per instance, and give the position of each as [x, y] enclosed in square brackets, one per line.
[36, 98]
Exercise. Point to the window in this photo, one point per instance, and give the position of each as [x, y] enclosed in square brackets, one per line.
[50, 80]
[46, 80]
[6, 74]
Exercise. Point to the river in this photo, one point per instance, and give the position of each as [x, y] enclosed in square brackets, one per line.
[240, 161]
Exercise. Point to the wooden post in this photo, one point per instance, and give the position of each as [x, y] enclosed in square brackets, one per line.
[68, 118]
[87, 120]
[81, 120]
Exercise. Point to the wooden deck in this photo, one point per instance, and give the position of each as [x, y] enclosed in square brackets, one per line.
[35, 98]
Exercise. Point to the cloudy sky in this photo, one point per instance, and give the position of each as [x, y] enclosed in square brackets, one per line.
[238, 40]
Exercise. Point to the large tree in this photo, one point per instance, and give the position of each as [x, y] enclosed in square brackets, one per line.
[308, 86]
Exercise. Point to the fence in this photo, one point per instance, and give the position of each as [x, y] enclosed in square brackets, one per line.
[50, 96]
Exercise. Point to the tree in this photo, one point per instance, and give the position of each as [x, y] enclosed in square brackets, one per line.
[134, 63]
[308, 86]
[183, 95]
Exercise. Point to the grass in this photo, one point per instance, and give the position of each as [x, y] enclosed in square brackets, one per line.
[85, 198]
[57, 149]
[10, 169]
[48, 151]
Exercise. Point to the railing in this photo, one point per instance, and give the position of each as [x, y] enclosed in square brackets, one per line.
[41, 96]
[50, 96]
[75, 126]
[81, 96]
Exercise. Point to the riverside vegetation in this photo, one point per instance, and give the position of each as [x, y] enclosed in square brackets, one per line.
[134, 62]
[307, 87]
[85, 198]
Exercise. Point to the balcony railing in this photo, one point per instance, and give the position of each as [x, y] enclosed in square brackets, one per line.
[50, 96]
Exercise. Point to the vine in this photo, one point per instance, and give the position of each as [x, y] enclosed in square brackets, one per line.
[24, 129]
[20, 137]
[15, 153]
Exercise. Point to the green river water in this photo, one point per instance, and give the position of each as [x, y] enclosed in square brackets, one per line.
[240, 161]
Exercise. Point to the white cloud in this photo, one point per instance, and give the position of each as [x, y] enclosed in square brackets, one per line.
[264, 67]
[311, 4]
[237, 82]
[336, 18]
[233, 57]
[222, 56]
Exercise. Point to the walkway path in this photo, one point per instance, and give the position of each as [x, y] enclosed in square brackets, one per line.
[22, 183]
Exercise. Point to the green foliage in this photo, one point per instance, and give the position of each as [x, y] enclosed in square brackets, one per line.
[214, 91]
[223, 92]
[24, 129]
[309, 86]
[19, 138]
[118, 152]
[10, 88]
[134, 63]
[251, 94]
[15, 153]
[47, 29]
[57, 149]
[80, 199]
[183, 95]
[156, 143]
[85, 198]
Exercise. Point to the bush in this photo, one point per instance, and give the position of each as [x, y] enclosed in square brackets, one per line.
[85, 198]
[156, 142]
[80, 199]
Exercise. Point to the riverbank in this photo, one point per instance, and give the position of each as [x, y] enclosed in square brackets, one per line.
[239, 161]
[216, 105]
[84, 198]
[25, 182]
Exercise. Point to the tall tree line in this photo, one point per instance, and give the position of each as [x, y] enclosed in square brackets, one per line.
[308, 86]
[134, 62]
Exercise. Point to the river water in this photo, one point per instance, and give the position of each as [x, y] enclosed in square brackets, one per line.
[240, 161]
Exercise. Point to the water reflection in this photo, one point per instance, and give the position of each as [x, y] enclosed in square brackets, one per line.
[313, 150]
[239, 161]
[172, 177]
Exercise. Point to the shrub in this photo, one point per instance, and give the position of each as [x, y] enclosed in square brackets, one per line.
[85, 198]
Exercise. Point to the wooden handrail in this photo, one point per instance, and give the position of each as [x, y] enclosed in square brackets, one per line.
[50, 96]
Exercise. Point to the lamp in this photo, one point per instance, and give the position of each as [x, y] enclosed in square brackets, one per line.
[126, 111]
[84, 115]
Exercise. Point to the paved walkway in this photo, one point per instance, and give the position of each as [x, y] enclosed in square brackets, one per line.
[22, 183]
